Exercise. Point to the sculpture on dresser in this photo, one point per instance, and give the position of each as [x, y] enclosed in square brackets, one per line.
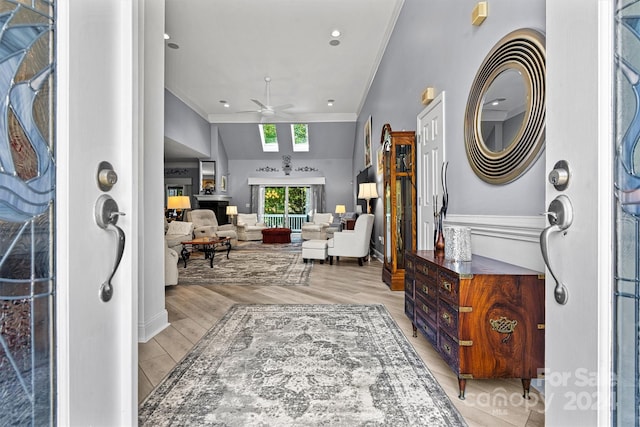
[440, 214]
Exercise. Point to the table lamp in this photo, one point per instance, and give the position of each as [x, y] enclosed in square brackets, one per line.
[368, 191]
[232, 211]
[179, 203]
[341, 210]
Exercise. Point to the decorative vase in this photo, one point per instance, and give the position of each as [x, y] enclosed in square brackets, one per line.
[439, 246]
[458, 243]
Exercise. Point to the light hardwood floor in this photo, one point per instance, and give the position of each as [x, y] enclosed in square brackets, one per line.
[195, 309]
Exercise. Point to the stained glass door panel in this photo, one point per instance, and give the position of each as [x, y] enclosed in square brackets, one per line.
[27, 174]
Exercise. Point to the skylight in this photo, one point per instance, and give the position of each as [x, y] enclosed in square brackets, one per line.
[269, 137]
[300, 136]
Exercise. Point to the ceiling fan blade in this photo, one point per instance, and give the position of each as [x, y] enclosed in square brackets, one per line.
[283, 107]
[260, 104]
[283, 115]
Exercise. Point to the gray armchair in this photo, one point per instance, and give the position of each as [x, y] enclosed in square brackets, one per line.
[249, 228]
[205, 224]
[316, 229]
[352, 243]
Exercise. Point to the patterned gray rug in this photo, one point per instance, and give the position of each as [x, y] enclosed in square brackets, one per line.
[250, 263]
[301, 365]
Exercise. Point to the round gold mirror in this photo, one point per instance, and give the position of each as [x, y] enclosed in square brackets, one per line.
[505, 116]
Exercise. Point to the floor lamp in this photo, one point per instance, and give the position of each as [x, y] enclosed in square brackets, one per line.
[368, 191]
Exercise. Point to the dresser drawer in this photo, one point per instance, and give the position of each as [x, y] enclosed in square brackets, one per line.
[426, 287]
[409, 309]
[409, 265]
[426, 270]
[449, 349]
[427, 329]
[448, 285]
[408, 287]
[448, 318]
[426, 309]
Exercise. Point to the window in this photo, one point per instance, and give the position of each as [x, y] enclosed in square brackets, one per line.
[300, 136]
[269, 137]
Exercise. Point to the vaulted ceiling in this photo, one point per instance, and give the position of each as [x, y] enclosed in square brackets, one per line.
[226, 49]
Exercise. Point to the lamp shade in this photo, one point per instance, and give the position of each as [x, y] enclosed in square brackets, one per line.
[368, 190]
[178, 202]
[232, 210]
[340, 209]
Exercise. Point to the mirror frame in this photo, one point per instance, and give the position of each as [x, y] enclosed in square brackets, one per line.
[202, 189]
[523, 50]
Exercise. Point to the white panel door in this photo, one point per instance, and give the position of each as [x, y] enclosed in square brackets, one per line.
[578, 333]
[431, 155]
[96, 340]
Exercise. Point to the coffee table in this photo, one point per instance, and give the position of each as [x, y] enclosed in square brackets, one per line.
[209, 245]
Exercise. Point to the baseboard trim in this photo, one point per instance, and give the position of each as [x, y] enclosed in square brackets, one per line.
[153, 326]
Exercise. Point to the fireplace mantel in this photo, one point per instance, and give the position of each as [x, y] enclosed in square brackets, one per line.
[212, 198]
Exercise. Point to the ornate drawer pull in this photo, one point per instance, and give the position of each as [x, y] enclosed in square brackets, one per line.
[425, 308]
[424, 269]
[504, 326]
[447, 348]
[425, 289]
[446, 285]
[447, 318]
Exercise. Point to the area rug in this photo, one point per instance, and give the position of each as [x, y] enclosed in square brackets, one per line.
[301, 365]
[249, 264]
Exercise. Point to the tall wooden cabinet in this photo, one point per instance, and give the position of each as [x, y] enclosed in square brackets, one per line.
[399, 203]
[484, 317]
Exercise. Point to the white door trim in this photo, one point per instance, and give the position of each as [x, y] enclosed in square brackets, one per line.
[71, 15]
[606, 21]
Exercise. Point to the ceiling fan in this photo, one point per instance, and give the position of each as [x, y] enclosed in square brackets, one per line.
[267, 110]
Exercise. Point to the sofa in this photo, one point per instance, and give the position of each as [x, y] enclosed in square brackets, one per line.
[205, 224]
[177, 232]
[248, 227]
[316, 229]
[171, 259]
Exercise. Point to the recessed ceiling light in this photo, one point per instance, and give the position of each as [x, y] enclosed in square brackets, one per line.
[334, 42]
[173, 45]
[166, 36]
[335, 33]
[330, 102]
[495, 101]
[224, 103]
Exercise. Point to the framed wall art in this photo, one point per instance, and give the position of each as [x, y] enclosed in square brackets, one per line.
[367, 142]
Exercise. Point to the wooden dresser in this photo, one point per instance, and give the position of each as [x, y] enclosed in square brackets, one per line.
[484, 317]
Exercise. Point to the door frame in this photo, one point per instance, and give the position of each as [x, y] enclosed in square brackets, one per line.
[425, 237]
[71, 17]
[580, 130]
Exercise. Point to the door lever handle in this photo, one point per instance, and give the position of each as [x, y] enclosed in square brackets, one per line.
[560, 216]
[107, 215]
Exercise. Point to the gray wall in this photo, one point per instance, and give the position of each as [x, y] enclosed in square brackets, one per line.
[337, 172]
[183, 125]
[435, 44]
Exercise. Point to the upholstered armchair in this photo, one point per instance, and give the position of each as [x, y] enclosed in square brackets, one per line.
[352, 243]
[316, 229]
[177, 232]
[171, 259]
[205, 224]
[249, 228]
